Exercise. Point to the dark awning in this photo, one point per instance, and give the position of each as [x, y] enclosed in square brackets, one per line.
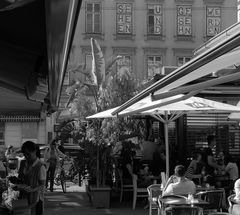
[35, 41]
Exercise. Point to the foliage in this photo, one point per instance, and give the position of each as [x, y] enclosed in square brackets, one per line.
[109, 88]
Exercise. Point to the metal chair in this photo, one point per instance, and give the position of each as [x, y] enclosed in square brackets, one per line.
[162, 206]
[137, 191]
[154, 191]
[123, 187]
[184, 210]
[215, 199]
[230, 199]
[219, 213]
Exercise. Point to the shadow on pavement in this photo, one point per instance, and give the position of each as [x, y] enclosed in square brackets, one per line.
[76, 201]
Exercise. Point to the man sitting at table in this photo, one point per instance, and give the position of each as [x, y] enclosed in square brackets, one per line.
[178, 184]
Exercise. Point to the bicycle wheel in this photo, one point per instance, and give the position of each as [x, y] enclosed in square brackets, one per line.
[57, 180]
[63, 181]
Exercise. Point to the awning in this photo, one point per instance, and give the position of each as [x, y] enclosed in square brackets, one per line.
[215, 58]
[19, 118]
[35, 41]
[235, 116]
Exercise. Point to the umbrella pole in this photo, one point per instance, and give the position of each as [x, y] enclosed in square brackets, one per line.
[166, 144]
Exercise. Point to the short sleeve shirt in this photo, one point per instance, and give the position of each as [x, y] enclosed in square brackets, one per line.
[180, 188]
[232, 170]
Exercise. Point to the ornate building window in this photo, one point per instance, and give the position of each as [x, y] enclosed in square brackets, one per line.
[154, 65]
[213, 20]
[124, 24]
[93, 15]
[124, 64]
[184, 20]
[182, 60]
[154, 19]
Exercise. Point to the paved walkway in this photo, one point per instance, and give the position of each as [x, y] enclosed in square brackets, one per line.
[76, 201]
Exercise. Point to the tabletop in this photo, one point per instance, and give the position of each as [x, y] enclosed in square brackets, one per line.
[181, 201]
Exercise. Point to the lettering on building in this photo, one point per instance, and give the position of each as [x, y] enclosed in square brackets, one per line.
[213, 20]
[155, 19]
[124, 18]
[184, 20]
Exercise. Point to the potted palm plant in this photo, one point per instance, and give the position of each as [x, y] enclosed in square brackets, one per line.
[110, 87]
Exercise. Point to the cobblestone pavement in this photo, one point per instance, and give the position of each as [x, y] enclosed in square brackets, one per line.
[76, 201]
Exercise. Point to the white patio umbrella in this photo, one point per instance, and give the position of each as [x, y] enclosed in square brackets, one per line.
[170, 112]
[235, 116]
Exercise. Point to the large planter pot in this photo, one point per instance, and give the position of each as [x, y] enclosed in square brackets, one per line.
[100, 196]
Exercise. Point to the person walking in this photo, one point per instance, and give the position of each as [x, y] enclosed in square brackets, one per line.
[51, 160]
[32, 176]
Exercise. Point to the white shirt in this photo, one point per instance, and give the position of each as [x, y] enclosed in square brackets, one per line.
[232, 170]
[180, 188]
[237, 189]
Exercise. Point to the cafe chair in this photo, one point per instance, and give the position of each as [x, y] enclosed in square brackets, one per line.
[162, 206]
[138, 191]
[123, 187]
[230, 198]
[219, 213]
[184, 210]
[214, 198]
[154, 191]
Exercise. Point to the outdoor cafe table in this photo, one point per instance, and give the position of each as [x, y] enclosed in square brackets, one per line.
[173, 201]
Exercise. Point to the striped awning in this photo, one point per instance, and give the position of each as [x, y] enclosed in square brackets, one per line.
[19, 118]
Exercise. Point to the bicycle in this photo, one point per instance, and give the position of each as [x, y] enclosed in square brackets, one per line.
[60, 178]
[71, 174]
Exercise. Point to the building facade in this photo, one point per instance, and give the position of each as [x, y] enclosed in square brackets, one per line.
[149, 34]
[14, 130]
[154, 37]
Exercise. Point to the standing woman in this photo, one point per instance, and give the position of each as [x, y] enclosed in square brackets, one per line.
[32, 174]
[51, 159]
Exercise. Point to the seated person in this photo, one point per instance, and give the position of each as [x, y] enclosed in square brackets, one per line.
[143, 174]
[231, 169]
[221, 158]
[196, 167]
[234, 209]
[126, 164]
[158, 164]
[178, 184]
[209, 160]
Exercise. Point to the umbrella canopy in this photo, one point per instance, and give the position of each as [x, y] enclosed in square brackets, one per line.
[103, 114]
[235, 116]
[167, 111]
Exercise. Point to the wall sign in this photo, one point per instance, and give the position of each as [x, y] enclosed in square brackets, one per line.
[124, 18]
[213, 20]
[184, 20]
